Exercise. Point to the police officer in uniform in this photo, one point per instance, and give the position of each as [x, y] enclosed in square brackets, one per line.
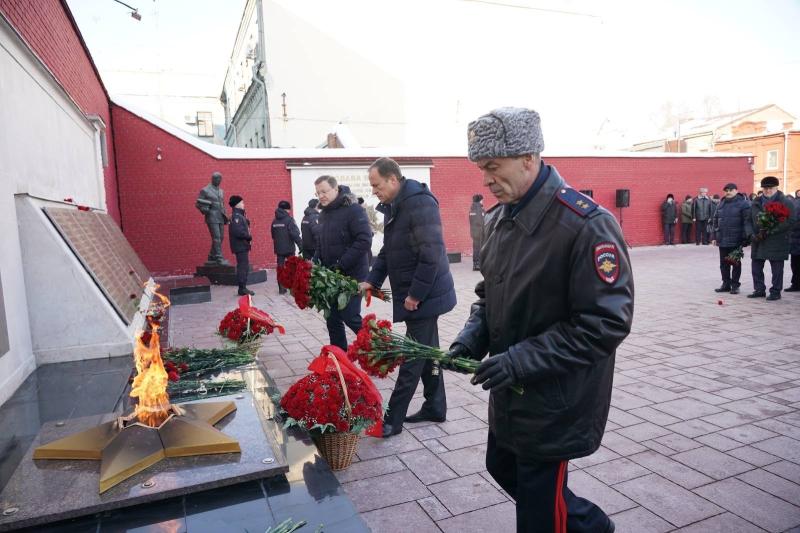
[308, 228]
[240, 238]
[285, 236]
[555, 302]
[476, 229]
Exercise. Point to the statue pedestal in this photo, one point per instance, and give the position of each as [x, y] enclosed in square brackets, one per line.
[226, 274]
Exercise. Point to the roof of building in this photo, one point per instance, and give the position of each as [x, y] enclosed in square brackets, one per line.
[231, 152]
[710, 124]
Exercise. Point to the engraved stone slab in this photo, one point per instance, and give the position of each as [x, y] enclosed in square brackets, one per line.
[108, 257]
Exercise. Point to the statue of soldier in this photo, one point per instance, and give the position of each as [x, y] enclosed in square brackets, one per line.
[210, 202]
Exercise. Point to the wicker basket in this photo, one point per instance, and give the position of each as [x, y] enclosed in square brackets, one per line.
[337, 448]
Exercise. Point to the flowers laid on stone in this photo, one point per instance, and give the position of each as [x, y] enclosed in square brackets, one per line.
[321, 288]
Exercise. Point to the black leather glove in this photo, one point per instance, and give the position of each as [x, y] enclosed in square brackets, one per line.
[496, 373]
[248, 238]
[457, 350]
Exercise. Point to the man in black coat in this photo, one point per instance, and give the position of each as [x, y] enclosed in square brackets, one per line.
[413, 256]
[240, 239]
[555, 302]
[669, 217]
[476, 215]
[771, 245]
[285, 236]
[343, 241]
[731, 227]
[308, 228]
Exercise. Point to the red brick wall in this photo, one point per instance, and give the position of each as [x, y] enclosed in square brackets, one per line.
[49, 30]
[160, 221]
[650, 179]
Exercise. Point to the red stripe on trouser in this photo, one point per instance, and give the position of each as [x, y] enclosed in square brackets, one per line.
[561, 506]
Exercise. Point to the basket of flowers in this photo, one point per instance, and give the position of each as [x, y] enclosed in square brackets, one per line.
[335, 404]
[245, 325]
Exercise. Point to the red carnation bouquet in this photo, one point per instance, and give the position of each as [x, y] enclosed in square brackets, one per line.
[336, 397]
[246, 324]
[735, 257]
[773, 215]
[379, 351]
[313, 285]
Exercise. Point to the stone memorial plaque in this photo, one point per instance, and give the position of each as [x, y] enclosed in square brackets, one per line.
[108, 257]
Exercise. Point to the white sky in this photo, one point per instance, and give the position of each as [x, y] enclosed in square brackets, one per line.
[599, 75]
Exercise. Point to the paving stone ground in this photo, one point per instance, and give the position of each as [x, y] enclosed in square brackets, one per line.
[703, 434]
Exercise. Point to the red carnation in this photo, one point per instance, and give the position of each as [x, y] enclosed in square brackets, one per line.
[173, 376]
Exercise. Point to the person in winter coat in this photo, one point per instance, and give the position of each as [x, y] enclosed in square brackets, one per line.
[686, 220]
[413, 257]
[476, 215]
[285, 236]
[772, 246]
[731, 227]
[343, 241]
[669, 217]
[794, 248]
[308, 228]
[240, 239]
[702, 210]
[555, 302]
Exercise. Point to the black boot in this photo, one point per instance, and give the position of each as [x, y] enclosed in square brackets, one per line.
[725, 288]
[243, 290]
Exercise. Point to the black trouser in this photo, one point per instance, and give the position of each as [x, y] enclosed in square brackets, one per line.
[669, 232]
[350, 316]
[544, 503]
[686, 232]
[425, 331]
[758, 276]
[476, 252]
[701, 231]
[308, 253]
[242, 268]
[281, 261]
[795, 264]
[730, 273]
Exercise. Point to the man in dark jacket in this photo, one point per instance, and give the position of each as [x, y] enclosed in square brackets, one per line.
[240, 238]
[770, 245]
[731, 227]
[686, 219]
[555, 302]
[794, 248]
[669, 217]
[702, 210]
[308, 228]
[285, 236]
[414, 258]
[476, 215]
[343, 240]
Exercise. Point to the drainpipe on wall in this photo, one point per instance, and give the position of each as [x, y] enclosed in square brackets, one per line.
[785, 160]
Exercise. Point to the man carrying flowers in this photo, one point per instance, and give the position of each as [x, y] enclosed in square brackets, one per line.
[773, 216]
[555, 302]
[731, 230]
[413, 257]
[343, 242]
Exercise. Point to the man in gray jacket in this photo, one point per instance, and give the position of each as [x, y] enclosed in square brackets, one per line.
[555, 302]
[702, 211]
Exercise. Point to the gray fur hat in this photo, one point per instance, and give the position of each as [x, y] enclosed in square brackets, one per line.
[505, 132]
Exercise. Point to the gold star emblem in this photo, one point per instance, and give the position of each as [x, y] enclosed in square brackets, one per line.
[607, 266]
[582, 204]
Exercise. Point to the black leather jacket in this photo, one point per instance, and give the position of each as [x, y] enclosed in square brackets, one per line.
[557, 295]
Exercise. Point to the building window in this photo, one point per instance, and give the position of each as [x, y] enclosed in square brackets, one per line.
[205, 126]
[772, 160]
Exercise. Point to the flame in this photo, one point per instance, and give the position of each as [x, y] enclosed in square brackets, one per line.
[150, 383]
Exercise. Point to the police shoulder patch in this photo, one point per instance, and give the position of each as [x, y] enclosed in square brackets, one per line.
[581, 204]
[606, 262]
